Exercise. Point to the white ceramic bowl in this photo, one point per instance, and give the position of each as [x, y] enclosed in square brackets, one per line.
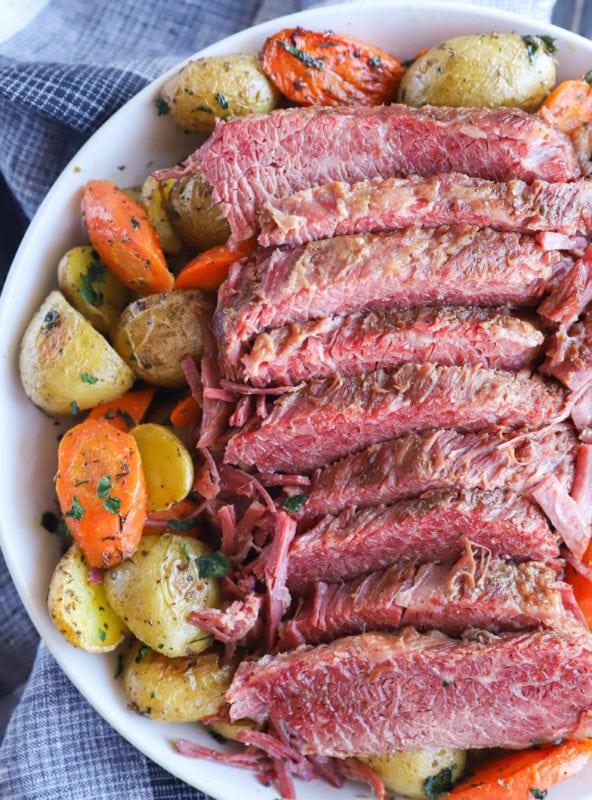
[137, 138]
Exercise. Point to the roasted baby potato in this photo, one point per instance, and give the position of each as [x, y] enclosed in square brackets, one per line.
[66, 365]
[175, 689]
[153, 198]
[167, 465]
[92, 288]
[79, 609]
[198, 223]
[155, 332]
[419, 773]
[154, 592]
[483, 71]
[219, 86]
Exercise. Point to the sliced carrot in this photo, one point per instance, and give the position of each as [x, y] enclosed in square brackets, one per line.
[126, 412]
[568, 106]
[524, 774]
[330, 69]
[210, 268]
[101, 490]
[185, 412]
[123, 236]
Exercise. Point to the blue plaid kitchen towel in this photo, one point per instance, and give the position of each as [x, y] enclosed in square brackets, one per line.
[65, 67]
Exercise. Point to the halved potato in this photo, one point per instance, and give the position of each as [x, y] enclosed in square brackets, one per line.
[182, 689]
[66, 365]
[92, 288]
[167, 465]
[155, 591]
[153, 198]
[79, 609]
[419, 773]
[197, 221]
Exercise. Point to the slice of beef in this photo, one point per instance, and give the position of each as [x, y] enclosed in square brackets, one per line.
[327, 419]
[416, 463]
[251, 159]
[570, 355]
[427, 528]
[479, 591]
[454, 265]
[362, 343]
[339, 208]
[572, 293]
[380, 692]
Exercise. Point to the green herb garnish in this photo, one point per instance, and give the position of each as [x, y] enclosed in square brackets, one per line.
[102, 634]
[142, 653]
[306, 58]
[538, 794]
[439, 784]
[162, 107]
[76, 511]
[216, 565]
[374, 62]
[104, 486]
[112, 505]
[182, 524]
[86, 377]
[90, 280]
[294, 503]
[222, 100]
[50, 320]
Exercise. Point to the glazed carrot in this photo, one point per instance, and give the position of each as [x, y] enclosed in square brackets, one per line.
[127, 411]
[330, 69]
[185, 412]
[210, 268]
[569, 106]
[524, 774]
[582, 589]
[101, 491]
[123, 236]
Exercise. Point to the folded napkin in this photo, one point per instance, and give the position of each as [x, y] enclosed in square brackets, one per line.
[65, 67]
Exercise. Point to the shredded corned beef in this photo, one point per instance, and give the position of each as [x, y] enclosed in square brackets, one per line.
[564, 513]
[582, 486]
[232, 624]
[276, 572]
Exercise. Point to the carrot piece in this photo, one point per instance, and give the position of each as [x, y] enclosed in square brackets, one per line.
[101, 490]
[122, 234]
[210, 268]
[126, 412]
[185, 412]
[330, 69]
[568, 106]
[524, 774]
[178, 517]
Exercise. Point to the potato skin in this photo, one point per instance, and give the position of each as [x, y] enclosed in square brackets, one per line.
[80, 610]
[197, 222]
[155, 332]
[154, 591]
[482, 71]
[153, 197]
[184, 689]
[219, 86]
[66, 365]
[406, 773]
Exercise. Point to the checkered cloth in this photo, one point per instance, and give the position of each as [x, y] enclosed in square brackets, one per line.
[65, 66]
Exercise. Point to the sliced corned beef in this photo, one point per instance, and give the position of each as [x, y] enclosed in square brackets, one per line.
[418, 462]
[427, 528]
[362, 343]
[570, 355]
[565, 514]
[479, 591]
[380, 692]
[326, 419]
[572, 294]
[454, 265]
[339, 208]
[250, 159]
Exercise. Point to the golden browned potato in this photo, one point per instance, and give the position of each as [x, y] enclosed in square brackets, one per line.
[66, 365]
[182, 689]
[79, 609]
[419, 773]
[229, 730]
[167, 465]
[219, 86]
[154, 592]
[155, 332]
[198, 223]
[92, 288]
[483, 71]
[154, 197]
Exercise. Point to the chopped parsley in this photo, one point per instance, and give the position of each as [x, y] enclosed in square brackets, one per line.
[50, 320]
[301, 55]
[112, 505]
[135, 223]
[182, 524]
[294, 503]
[142, 653]
[588, 77]
[374, 62]
[538, 794]
[74, 407]
[216, 565]
[435, 785]
[90, 282]
[162, 107]
[123, 415]
[186, 552]
[86, 377]
[222, 100]
[76, 511]
[54, 523]
[104, 486]
[533, 45]
[549, 43]
[102, 634]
